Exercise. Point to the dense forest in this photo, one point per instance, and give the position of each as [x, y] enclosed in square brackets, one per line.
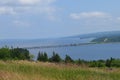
[23, 54]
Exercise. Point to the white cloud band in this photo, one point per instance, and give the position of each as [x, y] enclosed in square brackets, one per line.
[89, 15]
[27, 6]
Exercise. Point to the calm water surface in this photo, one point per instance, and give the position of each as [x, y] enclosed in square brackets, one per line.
[87, 52]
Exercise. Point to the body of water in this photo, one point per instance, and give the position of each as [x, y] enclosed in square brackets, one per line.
[86, 52]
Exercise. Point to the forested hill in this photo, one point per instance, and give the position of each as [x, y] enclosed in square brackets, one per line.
[101, 37]
[107, 39]
[98, 35]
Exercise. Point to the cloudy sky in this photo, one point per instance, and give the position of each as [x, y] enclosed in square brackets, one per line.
[31, 19]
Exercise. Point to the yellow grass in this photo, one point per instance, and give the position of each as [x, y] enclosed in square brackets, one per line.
[25, 70]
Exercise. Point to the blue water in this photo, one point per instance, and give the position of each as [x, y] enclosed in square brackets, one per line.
[87, 52]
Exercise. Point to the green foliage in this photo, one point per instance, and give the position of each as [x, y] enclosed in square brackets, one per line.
[20, 54]
[109, 62]
[115, 63]
[68, 59]
[5, 53]
[31, 57]
[107, 39]
[79, 62]
[42, 56]
[13, 54]
[99, 63]
[96, 63]
[23, 54]
[55, 58]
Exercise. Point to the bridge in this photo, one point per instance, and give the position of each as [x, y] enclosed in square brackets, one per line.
[57, 46]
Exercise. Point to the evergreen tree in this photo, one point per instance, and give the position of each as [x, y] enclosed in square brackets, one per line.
[109, 62]
[38, 57]
[55, 58]
[42, 56]
[68, 59]
[45, 57]
[79, 61]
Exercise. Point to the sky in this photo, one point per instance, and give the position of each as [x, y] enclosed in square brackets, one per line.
[36, 19]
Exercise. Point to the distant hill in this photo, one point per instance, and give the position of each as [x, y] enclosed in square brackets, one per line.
[98, 34]
[109, 36]
[107, 39]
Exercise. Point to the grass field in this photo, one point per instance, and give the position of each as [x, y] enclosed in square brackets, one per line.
[24, 70]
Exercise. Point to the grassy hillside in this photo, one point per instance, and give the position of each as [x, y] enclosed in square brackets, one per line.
[24, 70]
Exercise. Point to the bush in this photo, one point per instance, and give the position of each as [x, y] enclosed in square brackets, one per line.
[20, 54]
[13, 54]
[5, 53]
[115, 63]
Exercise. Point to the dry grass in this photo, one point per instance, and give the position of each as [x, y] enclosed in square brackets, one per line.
[25, 70]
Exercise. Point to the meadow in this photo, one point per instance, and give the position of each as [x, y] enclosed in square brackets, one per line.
[26, 70]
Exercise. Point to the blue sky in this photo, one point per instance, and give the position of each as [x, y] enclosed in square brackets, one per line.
[33, 19]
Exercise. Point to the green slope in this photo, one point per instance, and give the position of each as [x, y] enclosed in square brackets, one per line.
[107, 39]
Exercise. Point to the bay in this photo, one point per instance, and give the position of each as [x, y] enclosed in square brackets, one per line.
[86, 52]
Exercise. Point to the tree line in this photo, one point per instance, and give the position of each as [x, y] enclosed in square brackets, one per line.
[112, 62]
[14, 54]
[42, 56]
[23, 54]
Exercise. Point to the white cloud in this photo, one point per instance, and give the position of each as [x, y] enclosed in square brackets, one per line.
[29, 1]
[118, 18]
[85, 15]
[34, 2]
[44, 7]
[26, 2]
[18, 23]
[7, 10]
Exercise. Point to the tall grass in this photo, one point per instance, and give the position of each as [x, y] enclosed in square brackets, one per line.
[24, 70]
